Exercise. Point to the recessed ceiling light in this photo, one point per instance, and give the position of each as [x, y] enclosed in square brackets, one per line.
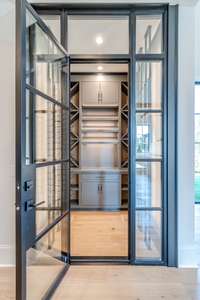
[100, 77]
[99, 40]
[99, 68]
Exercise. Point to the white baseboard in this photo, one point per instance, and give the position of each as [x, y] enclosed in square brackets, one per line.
[7, 256]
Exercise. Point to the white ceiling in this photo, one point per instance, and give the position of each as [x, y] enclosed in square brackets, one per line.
[173, 2]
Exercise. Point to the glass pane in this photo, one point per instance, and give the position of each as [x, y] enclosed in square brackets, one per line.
[148, 235]
[149, 34]
[47, 130]
[49, 195]
[197, 98]
[53, 22]
[197, 187]
[197, 157]
[44, 260]
[197, 128]
[44, 66]
[98, 34]
[148, 184]
[149, 135]
[148, 85]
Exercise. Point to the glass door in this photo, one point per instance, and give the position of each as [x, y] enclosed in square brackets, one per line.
[42, 206]
[150, 114]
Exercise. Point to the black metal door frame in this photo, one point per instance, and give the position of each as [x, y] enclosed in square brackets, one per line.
[25, 174]
[170, 119]
[169, 58]
[132, 11]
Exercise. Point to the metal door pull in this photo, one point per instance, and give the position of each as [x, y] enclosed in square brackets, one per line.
[37, 204]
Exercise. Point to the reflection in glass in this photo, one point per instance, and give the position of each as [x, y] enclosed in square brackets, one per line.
[46, 260]
[47, 130]
[197, 127]
[49, 194]
[148, 234]
[53, 22]
[197, 156]
[148, 85]
[43, 61]
[98, 34]
[197, 98]
[149, 34]
[148, 184]
[149, 135]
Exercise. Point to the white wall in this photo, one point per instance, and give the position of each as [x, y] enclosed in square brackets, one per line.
[197, 42]
[186, 75]
[7, 131]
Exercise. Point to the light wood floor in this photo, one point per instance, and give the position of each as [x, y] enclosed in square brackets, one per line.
[129, 283]
[117, 283]
[99, 233]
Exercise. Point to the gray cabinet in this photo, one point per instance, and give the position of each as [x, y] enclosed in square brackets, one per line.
[100, 191]
[89, 92]
[96, 93]
[109, 92]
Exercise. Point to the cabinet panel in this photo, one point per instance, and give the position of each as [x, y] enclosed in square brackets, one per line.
[100, 93]
[100, 191]
[97, 155]
[90, 196]
[89, 92]
[110, 194]
[110, 92]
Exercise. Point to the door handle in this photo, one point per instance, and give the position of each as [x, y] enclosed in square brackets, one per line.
[29, 204]
[37, 204]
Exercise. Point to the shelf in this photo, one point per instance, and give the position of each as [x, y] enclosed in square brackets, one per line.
[101, 129]
[74, 203]
[124, 188]
[96, 170]
[74, 187]
[100, 105]
[93, 141]
[97, 118]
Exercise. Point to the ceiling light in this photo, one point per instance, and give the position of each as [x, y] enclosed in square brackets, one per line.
[100, 77]
[99, 68]
[99, 40]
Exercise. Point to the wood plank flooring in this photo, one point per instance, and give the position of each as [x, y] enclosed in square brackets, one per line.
[129, 283]
[99, 233]
[107, 282]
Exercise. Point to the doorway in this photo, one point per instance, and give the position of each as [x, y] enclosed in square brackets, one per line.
[99, 161]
